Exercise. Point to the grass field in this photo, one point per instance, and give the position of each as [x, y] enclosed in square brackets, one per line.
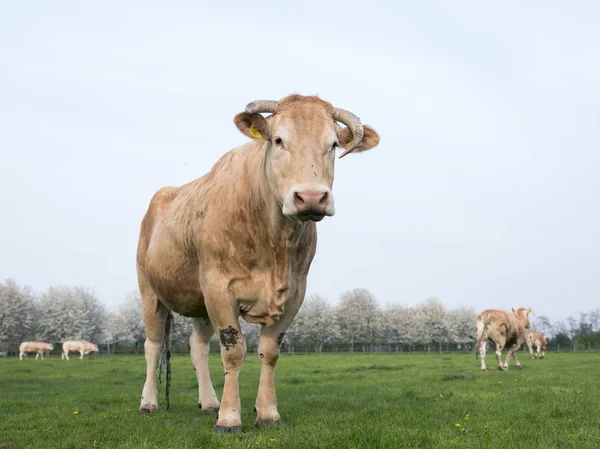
[325, 400]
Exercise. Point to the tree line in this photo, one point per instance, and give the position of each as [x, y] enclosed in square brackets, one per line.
[356, 323]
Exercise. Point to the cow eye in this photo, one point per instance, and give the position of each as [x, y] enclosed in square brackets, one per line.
[277, 141]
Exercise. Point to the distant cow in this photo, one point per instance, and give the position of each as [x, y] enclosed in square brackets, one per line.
[239, 241]
[506, 329]
[81, 346]
[34, 346]
[537, 344]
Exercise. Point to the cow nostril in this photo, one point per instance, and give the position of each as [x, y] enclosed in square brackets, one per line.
[324, 199]
[298, 199]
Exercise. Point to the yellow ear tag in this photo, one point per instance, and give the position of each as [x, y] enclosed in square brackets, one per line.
[359, 145]
[255, 133]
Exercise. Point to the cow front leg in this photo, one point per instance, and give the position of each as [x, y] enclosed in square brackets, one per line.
[199, 349]
[223, 315]
[266, 399]
[81, 354]
[268, 352]
[37, 355]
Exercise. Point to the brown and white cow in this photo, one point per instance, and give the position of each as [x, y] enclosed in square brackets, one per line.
[81, 346]
[239, 241]
[537, 344]
[34, 346]
[506, 330]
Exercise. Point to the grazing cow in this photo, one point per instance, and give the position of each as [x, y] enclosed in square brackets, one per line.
[506, 329]
[34, 346]
[537, 344]
[81, 346]
[239, 241]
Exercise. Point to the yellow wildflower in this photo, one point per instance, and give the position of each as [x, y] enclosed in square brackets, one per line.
[457, 425]
[441, 396]
[76, 412]
[485, 426]
[499, 382]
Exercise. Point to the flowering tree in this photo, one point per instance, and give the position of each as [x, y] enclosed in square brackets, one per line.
[462, 325]
[17, 313]
[358, 317]
[318, 323]
[400, 325]
[70, 313]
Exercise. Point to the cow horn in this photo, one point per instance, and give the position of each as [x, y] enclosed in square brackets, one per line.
[259, 106]
[352, 122]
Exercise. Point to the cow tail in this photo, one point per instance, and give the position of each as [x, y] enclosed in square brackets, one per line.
[165, 355]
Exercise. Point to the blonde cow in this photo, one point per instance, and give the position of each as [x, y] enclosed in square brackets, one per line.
[239, 241]
[506, 330]
[34, 346]
[537, 344]
[81, 346]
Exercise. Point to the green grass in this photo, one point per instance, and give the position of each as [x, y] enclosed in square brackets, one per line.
[325, 400]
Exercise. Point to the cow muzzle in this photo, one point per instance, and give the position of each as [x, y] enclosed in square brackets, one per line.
[309, 203]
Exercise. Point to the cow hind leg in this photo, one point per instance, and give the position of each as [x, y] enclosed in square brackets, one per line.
[482, 351]
[37, 355]
[511, 353]
[199, 349]
[155, 316]
[517, 363]
[499, 347]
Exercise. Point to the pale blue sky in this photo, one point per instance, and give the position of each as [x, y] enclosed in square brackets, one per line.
[483, 192]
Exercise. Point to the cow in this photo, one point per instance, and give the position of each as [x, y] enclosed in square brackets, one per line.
[81, 346]
[34, 346]
[537, 344]
[239, 242]
[506, 330]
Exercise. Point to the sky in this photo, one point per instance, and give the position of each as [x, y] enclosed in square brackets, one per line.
[483, 191]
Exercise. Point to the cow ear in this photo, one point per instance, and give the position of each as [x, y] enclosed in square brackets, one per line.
[513, 309]
[253, 125]
[370, 138]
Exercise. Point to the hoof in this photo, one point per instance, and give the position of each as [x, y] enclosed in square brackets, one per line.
[226, 429]
[149, 408]
[209, 411]
[484, 370]
[519, 367]
[260, 424]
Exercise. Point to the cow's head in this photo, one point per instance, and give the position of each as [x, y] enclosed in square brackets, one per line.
[93, 347]
[49, 347]
[301, 135]
[546, 338]
[523, 314]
